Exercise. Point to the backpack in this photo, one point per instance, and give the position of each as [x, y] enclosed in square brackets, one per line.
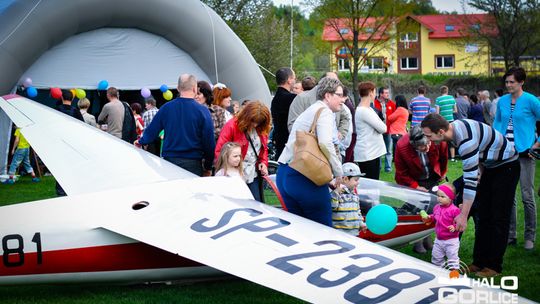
[129, 132]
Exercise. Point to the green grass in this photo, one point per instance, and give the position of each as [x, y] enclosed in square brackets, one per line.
[524, 264]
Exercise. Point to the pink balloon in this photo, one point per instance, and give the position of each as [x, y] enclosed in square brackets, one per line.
[27, 82]
[145, 92]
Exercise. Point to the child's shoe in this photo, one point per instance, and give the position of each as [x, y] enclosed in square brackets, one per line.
[35, 179]
[8, 181]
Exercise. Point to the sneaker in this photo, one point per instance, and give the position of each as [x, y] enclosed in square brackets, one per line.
[8, 182]
[419, 247]
[512, 242]
[473, 268]
[36, 179]
[529, 245]
[487, 273]
[452, 159]
[387, 170]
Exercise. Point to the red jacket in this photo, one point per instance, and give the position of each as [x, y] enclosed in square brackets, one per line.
[231, 132]
[408, 166]
[390, 107]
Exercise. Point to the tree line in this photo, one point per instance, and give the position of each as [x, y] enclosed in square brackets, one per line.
[266, 29]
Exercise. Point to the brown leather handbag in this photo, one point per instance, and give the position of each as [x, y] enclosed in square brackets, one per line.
[308, 158]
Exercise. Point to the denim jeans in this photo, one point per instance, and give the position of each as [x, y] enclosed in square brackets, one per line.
[302, 197]
[192, 165]
[388, 156]
[20, 156]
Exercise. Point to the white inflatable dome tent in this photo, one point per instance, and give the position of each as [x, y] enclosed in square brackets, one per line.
[132, 44]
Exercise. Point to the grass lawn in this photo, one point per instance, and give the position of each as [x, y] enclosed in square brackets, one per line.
[518, 262]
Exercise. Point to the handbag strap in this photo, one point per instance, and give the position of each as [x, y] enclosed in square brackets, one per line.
[314, 123]
[252, 145]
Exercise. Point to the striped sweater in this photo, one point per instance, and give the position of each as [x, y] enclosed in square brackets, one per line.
[478, 143]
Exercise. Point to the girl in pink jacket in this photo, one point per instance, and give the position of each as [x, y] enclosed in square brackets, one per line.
[447, 241]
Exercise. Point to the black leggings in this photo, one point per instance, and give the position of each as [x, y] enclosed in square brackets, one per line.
[371, 168]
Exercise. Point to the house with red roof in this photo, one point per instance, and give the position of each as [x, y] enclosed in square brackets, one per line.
[429, 44]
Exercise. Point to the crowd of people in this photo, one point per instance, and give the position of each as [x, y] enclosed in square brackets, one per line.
[205, 132]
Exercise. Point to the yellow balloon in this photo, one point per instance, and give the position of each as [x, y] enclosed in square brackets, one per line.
[73, 92]
[167, 95]
[80, 93]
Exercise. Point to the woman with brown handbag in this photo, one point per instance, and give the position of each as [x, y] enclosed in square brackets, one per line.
[306, 194]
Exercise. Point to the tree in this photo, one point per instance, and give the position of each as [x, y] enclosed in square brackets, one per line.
[237, 12]
[423, 7]
[264, 34]
[364, 27]
[268, 40]
[516, 23]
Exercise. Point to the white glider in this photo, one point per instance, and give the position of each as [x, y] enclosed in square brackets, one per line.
[132, 217]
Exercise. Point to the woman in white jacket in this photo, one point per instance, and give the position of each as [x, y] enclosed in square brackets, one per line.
[300, 195]
[369, 129]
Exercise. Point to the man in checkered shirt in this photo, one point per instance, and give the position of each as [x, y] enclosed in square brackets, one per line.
[148, 115]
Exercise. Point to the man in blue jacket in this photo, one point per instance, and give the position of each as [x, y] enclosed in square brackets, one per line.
[189, 131]
[516, 116]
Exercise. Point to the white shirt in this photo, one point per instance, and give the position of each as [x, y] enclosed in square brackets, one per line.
[325, 131]
[369, 131]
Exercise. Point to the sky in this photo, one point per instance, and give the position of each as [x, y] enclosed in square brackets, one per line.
[441, 5]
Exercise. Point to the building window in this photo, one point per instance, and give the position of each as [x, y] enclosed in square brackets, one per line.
[369, 30]
[475, 27]
[375, 63]
[444, 62]
[343, 64]
[343, 31]
[408, 37]
[449, 28]
[409, 63]
[343, 51]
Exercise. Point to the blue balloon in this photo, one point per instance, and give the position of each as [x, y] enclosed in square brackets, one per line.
[31, 92]
[381, 219]
[103, 85]
[163, 88]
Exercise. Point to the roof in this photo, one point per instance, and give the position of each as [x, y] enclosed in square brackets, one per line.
[436, 24]
[330, 33]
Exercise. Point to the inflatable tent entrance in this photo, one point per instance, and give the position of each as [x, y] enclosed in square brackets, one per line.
[131, 44]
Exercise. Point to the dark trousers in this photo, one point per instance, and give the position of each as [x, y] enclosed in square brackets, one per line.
[255, 188]
[59, 190]
[395, 139]
[495, 193]
[302, 197]
[371, 168]
[155, 147]
[192, 165]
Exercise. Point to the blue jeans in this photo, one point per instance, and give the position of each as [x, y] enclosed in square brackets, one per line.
[388, 156]
[192, 165]
[255, 190]
[21, 156]
[302, 197]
